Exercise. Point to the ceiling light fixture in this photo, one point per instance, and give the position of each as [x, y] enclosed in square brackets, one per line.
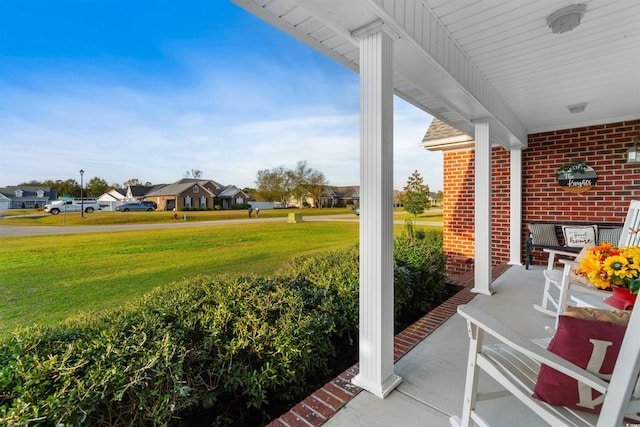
[566, 19]
[577, 108]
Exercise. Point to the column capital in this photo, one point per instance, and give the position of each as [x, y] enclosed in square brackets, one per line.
[481, 120]
[374, 27]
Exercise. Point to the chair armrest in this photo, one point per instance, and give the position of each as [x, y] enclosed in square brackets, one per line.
[555, 252]
[507, 336]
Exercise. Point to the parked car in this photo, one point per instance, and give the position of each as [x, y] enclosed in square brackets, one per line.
[134, 206]
[154, 205]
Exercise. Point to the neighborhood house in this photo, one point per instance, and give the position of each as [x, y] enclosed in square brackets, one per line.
[26, 197]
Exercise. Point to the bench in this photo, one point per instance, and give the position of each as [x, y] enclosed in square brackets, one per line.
[551, 235]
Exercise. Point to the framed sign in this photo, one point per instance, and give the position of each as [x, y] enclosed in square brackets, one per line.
[576, 177]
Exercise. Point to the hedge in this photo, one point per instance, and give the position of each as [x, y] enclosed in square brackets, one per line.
[228, 344]
[231, 350]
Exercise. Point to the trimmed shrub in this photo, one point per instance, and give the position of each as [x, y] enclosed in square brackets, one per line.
[228, 350]
[336, 275]
[230, 345]
[240, 206]
[420, 278]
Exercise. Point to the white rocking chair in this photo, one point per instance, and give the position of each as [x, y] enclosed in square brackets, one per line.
[558, 283]
[515, 362]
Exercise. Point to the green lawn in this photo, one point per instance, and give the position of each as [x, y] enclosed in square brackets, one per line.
[103, 218]
[428, 215]
[45, 279]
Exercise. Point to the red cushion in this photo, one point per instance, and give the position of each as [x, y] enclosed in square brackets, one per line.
[572, 342]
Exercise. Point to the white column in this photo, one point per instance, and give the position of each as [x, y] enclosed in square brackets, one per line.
[376, 211]
[515, 221]
[482, 265]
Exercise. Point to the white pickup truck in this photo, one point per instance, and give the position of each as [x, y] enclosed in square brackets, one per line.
[75, 205]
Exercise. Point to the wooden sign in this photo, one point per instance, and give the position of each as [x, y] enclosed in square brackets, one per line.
[576, 177]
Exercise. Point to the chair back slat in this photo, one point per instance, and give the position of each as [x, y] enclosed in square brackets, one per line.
[623, 379]
[631, 230]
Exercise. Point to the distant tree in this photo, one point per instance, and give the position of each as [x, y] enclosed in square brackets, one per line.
[132, 181]
[70, 187]
[193, 174]
[251, 192]
[96, 187]
[310, 182]
[32, 183]
[416, 195]
[439, 198]
[274, 185]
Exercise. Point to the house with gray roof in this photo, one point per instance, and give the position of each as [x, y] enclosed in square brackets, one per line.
[338, 196]
[26, 196]
[190, 193]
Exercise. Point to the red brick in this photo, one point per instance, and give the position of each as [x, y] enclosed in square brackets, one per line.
[328, 399]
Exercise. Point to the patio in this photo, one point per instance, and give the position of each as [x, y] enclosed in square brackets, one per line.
[433, 371]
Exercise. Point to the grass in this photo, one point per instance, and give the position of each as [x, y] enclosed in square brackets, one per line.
[45, 279]
[103, 218]
[431, 215]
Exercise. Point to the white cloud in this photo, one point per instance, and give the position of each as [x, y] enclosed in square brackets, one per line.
[227, 122]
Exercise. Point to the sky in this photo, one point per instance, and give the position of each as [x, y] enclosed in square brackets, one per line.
[152, 89]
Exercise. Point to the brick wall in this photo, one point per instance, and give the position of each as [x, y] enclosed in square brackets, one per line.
[603, 147]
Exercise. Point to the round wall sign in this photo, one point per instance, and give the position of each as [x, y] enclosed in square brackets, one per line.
[576, 177]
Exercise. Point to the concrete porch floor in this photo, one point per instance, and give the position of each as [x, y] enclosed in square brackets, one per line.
[431, 359]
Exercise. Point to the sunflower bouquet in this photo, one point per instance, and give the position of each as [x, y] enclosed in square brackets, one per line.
[606, 265]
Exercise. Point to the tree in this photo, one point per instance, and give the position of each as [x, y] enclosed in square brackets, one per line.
[193, 174]
[132, 181]
[251, 192]
[281, 184]
[70, 187]
[96, 187]
[275, 184]
[310, 182]
[416, 195]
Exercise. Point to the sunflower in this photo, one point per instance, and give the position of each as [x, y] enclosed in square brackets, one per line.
[617, 266]
[605, 265]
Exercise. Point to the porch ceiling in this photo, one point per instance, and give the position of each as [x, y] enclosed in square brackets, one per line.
[460, 60]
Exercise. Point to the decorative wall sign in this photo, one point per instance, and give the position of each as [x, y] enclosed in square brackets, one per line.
[576, 177]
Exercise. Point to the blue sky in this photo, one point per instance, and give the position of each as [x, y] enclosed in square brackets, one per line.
[150, 89]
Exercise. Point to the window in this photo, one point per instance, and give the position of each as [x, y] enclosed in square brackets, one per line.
[196, 189]
[187, 202]
[18, 193]
[203, 202]
[40, 193]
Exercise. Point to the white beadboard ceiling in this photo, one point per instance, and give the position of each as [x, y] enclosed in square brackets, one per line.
[461, 60]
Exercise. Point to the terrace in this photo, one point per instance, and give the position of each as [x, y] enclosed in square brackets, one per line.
[434, 368]
[506, 75]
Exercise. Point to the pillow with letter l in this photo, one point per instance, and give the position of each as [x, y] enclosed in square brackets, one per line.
[590, 344]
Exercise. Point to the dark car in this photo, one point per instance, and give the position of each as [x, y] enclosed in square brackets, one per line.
[134, 206]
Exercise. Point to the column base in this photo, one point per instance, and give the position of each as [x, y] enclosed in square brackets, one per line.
[380, 390]
[487, 292]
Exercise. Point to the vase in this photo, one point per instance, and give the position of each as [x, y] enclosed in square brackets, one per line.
[622, 298]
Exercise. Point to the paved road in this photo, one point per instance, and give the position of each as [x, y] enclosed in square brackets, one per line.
[14, 231]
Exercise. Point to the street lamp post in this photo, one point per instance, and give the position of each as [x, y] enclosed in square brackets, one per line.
[81, 194]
